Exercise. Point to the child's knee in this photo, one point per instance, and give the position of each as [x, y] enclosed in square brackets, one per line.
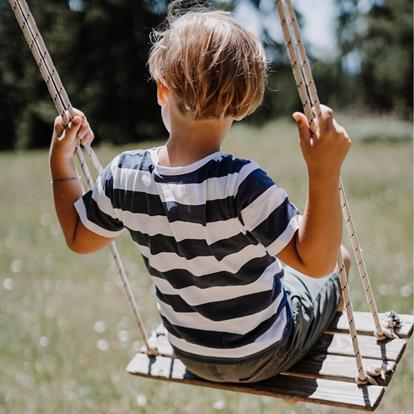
[346, 257]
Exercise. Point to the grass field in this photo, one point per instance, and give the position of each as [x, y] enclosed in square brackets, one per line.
[65, 331]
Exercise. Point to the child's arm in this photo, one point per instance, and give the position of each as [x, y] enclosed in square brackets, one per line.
[66, 190]
[315, 247]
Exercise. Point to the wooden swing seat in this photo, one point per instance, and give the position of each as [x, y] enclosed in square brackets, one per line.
[325, 376]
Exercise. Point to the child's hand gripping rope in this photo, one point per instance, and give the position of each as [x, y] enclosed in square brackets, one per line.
[64, 140]
[325, 151]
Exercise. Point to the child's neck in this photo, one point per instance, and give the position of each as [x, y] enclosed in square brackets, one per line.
[191, 141]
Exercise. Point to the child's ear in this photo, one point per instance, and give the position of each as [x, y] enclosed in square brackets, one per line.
[162, 93]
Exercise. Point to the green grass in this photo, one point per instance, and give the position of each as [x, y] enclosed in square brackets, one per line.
[65, 330]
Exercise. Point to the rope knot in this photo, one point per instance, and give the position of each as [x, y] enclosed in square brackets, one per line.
[373, 372]
[390, 323]
[391, 320]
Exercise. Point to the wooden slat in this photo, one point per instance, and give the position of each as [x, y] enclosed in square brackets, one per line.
[365, 324]
[321, 391]
[341, 344]
[319, 363]
[331, 358]
[337, 367]
[334, 344]
[325, 376]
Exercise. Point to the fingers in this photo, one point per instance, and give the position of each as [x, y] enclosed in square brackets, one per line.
[339, 129]
[331, 129]
[326, 112]
[79, 113]
[85, 134]
[329, 124]
[86, 137]
[72, 129]
[303, 127]
[78, 128]
[59, 126]
[326, 120]
[342, 135]
[62, 122]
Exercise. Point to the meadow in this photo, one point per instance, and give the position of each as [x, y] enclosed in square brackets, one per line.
[66, 335]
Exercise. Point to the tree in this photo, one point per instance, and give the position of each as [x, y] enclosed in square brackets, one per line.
[100, 50]
[26, 109]
[111, 82]
[376, 46]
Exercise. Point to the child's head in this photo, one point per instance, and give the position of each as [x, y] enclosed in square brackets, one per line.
[214, 67]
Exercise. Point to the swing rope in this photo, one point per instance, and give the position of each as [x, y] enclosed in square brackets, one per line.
[310, 100]
[65, 109]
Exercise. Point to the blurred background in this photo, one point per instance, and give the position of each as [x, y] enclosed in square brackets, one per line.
[66, 335]
[361, 53]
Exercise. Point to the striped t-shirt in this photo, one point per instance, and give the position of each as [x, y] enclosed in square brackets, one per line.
[208, 233]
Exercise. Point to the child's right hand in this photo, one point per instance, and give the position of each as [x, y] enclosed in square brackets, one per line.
[64, 141]
[325, 151]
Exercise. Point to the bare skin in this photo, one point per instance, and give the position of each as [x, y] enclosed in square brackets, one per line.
[65, 193]
[191, 140]
[347, 263]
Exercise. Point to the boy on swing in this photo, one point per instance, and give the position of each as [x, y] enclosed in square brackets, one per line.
[213, 229]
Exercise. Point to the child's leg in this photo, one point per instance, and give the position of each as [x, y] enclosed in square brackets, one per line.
[346, 258]
[347, 263]
[315, 304]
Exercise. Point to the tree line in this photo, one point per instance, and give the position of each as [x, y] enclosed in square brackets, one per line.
[100, 48]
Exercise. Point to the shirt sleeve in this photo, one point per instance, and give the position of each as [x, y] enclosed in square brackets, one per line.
[265, 211]
[95, 208]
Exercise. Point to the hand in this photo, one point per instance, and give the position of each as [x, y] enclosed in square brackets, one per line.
[325, 151]
[64, 140]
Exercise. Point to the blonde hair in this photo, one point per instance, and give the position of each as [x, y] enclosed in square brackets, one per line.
[213, 66]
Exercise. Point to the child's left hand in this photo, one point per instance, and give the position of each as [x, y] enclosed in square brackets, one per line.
[64, 141]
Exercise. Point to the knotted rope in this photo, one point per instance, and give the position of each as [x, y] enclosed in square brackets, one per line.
[310, 101]
[65, 109]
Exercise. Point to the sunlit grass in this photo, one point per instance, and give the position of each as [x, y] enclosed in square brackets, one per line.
[65, 330]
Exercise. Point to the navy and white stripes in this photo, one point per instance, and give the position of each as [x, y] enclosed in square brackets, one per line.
[208, 233]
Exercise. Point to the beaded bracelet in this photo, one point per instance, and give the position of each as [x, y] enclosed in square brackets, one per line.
[62, 180]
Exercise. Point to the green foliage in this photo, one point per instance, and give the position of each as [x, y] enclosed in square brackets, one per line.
[381, 38]
[21, 123]
[12, 74]
[106, 66]
[100, 52]
[101, 47]
[388, 56]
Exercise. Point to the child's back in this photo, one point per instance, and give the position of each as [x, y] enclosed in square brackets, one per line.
[209, 233]
[209, 226]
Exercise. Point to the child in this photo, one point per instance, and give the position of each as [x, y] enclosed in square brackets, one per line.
[211, 227]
